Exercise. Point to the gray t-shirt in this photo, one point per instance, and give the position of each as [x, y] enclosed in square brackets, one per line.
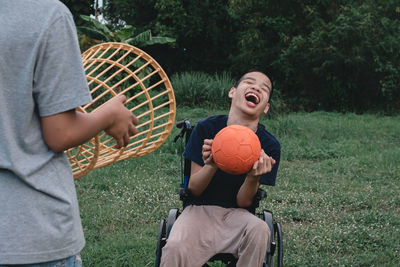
[41, 74]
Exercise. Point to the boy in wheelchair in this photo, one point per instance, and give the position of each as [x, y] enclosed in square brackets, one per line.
[215, 218]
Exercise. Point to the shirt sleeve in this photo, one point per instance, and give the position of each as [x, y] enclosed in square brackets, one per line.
[275, 153]
[59, 82]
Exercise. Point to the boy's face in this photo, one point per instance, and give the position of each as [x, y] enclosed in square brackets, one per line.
[252, 94]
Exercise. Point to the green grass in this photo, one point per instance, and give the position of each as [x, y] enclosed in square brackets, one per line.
[337, 194]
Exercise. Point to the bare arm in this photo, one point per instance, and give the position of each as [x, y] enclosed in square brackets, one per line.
[71, 128]
[201, 176]
[250, 186]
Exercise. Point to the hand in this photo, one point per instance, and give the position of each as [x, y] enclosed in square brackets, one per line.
[123, 122]
[206, 152]
[262, 166]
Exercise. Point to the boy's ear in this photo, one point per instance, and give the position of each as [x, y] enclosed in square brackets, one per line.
[231, 92]
[266, 109]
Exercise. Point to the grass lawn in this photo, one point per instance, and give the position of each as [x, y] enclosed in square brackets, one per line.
[337, 194]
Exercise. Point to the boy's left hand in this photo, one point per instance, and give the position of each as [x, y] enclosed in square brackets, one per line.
[264, 165]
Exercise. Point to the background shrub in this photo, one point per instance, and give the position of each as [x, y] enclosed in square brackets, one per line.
[199, 89]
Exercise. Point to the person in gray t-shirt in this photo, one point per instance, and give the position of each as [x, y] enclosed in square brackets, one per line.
[42, 81]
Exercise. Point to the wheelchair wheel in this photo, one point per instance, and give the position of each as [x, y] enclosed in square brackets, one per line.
[276, 241]
[163, 233]
[278, 231]
[160, 241]
[172, 216]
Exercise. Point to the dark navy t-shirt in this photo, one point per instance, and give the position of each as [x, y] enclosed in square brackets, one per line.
[224, 187]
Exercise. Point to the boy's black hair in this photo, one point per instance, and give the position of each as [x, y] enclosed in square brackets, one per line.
[255, 70]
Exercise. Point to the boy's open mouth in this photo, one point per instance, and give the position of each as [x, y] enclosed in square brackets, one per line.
[252, 97]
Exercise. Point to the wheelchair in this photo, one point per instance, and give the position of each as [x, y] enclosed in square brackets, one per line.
[274, 253]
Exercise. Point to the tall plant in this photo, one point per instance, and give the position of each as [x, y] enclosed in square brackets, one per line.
[99, 32]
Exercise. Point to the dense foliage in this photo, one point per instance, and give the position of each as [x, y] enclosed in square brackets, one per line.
[80, 7]
[97, 32]
[332, 55]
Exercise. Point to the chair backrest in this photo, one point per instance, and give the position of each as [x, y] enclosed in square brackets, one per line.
[186, 129]
[184, 194]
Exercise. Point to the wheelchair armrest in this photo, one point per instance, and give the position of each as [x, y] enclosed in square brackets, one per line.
[184, 194]
[261, 194]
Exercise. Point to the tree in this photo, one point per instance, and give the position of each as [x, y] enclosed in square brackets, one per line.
[345, 62]
[322, 54]
[332, 55]
[203, 29]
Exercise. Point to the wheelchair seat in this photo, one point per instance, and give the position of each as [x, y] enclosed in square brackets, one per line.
[276, 240]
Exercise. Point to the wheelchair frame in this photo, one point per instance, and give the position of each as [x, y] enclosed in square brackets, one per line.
[275, 248]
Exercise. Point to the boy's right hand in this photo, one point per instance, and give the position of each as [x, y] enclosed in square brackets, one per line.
[206, 152]
[123, 122]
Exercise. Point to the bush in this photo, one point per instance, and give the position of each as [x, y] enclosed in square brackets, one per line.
[198, 89]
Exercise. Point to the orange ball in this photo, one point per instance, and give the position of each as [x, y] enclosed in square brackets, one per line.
[235, 149]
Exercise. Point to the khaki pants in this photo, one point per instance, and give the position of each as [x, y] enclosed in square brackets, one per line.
[200, 232]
